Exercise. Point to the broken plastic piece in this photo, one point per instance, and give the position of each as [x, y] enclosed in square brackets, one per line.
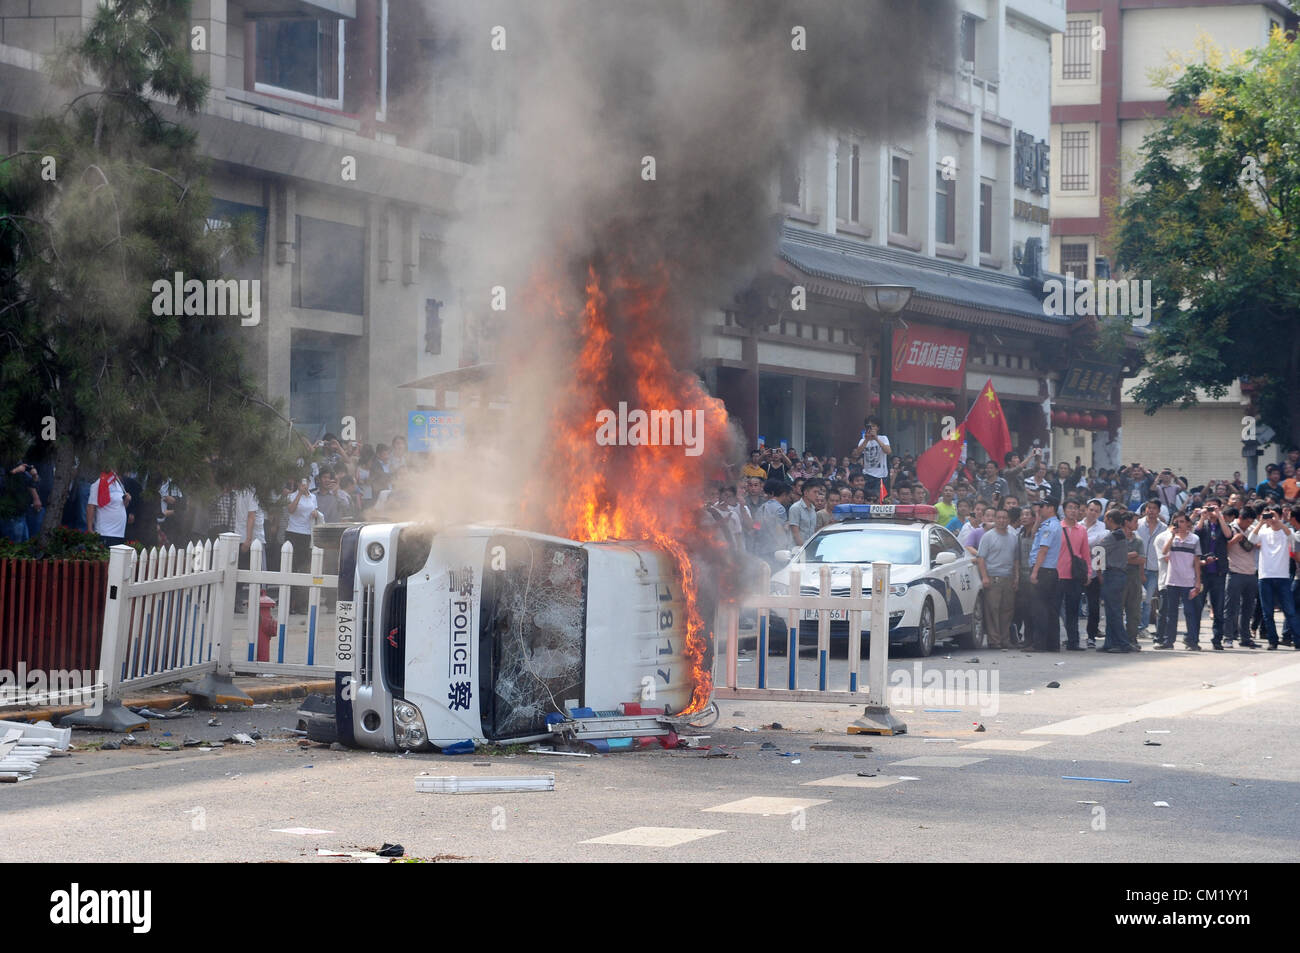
[460, 747]
[392, 850]
[1066, 777]
[1159, 803]
[1053, 684]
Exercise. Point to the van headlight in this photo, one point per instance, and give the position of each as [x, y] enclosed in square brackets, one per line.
[375, 552]
[898, 590]
[411, 732]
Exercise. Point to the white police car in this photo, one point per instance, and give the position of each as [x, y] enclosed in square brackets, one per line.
[934, 584]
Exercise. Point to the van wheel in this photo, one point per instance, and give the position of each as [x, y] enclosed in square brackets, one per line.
[925, 631]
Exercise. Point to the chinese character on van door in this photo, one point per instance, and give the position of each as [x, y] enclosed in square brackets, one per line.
[459, 696]
[461, 581]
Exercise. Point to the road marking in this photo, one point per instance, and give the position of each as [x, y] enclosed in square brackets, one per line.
[937, 761]
[854, 781]
[765, 805]
[1226, 707]
[654, 836]
[170, 762]
[1246, 691]
[1006, 744]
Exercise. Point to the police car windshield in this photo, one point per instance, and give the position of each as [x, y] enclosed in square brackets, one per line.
[865, 546]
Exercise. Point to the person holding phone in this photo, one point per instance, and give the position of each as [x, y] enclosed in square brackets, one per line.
[303, 510]
[874, 451]
[1182, 548]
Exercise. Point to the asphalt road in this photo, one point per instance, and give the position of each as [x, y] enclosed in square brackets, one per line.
[1224, 761]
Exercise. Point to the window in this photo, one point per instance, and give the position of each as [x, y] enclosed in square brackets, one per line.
[432, 326]
[898, 196]
[791, 181]
[945, 209]
[847, 182]
[1076, 59]
[986, 219]
[1074, 259]
[329, 274]
[968, 26]
[1074, 162]
[301, 58]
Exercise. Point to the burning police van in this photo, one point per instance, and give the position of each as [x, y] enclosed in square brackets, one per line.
[481, 632]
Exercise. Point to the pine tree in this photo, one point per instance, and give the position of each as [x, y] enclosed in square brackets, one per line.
[109, 197]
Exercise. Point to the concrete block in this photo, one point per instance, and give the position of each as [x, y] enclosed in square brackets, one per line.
[33, 33]
[58, 8]
[14, 8]
[68, 26]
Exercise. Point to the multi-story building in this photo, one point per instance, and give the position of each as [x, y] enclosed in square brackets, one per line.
[310, 130]
[1105, 100]
[957, 210]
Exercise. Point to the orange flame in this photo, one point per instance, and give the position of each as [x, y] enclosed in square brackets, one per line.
[643, 492]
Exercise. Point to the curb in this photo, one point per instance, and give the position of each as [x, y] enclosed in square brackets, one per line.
[259, 693]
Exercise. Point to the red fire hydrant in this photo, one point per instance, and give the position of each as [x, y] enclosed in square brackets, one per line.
[265, 628]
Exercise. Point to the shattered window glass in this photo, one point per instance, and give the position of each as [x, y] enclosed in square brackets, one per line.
[533, 630]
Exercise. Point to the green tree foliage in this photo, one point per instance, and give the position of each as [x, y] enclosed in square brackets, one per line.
[80, 250]
[1213, 222]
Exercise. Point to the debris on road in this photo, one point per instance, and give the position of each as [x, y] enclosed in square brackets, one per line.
[565, 754]
[454, 784]
[300, 831]
[1153, 744]
[979, 727]
[391, 850]
[774, 726]
[1157, 731]
[1159, 803]
[1053, 684]
[242, 737]
[831, 747]
[1066, 777]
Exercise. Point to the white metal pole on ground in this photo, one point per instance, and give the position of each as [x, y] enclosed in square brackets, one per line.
[823, 627]
[733, 644]
[218, 687]
[855, 628]
[876, 718]
[313, 604]
[254, 607]
[106, 711]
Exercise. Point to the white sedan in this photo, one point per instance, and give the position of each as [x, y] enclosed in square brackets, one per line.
[934, 592]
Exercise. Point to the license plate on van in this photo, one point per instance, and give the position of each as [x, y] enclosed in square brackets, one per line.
[837, 615]
[345, 618]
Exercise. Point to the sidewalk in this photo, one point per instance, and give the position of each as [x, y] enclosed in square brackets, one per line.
[162, 697]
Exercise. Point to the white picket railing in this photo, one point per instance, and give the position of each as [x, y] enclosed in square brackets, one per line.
[170, 614]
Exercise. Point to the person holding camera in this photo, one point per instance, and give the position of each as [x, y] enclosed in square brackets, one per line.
[874, 450]
[303, 510]
[1214, 533]
[1275, 540]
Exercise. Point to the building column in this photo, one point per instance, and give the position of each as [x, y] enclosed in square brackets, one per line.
[210, 59]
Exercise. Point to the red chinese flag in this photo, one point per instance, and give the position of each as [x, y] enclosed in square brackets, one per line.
[936, 466]
[987, 424]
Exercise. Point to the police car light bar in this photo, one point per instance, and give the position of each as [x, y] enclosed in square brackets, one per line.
[885, 511]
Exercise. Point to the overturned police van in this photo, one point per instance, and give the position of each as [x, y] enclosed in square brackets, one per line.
[486, 633]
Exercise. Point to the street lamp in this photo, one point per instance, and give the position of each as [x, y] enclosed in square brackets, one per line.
[887, 301]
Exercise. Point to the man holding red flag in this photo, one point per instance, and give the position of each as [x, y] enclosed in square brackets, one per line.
[987, 424]
[935, 467]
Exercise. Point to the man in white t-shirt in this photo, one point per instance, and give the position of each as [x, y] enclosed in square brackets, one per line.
[106, 508]
[250, 524]
[1275, 540]
[874, 451]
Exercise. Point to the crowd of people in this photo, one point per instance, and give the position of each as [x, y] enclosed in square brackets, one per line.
[335, 482]
[1129, 549]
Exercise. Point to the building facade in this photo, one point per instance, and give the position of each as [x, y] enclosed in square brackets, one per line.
[311, 133]
[1105, 100]
[957, 211]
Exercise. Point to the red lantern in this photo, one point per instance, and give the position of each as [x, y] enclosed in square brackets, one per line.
[902, 401]
[1056, 418]
[1072, 419]
[875, 400]
[950, 406]
[1103, 422]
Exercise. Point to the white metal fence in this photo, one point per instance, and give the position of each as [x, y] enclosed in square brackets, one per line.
[171, 614]
[873, 605]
